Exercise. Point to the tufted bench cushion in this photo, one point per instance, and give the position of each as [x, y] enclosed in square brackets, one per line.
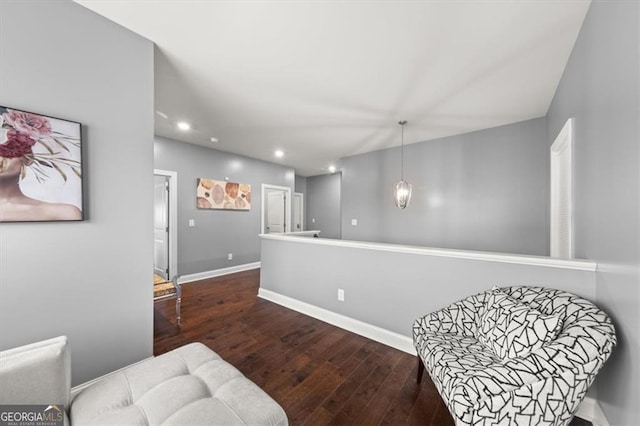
[190, 385]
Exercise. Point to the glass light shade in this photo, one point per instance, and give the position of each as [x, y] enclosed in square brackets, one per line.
[402, 194]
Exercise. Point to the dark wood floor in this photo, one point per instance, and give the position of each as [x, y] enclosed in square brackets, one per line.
[319, 373]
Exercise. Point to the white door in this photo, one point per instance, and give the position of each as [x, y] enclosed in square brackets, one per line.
[298, 212]
[275, 217]
[276, 208]
[161, 226]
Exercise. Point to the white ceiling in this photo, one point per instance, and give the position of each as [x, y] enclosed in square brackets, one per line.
[323, 80]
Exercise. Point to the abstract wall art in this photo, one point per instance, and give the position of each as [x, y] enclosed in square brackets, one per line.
[216, 194]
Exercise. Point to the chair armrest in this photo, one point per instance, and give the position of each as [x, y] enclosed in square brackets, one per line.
[545, 376]
[535, 402]
[38, 373]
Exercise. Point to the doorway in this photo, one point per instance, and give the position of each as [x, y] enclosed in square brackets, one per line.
[276, 209]
[165, 224]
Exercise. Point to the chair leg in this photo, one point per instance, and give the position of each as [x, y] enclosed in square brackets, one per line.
[420, 369]
[178, 288]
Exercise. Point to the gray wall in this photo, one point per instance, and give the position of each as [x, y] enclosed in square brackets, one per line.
[301, 184]
[486, 190]
[601, 88]
[390, 290]
[88, 280]
[217, 232]
[324, 204]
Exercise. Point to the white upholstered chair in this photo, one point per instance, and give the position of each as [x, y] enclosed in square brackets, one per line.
[515, 355]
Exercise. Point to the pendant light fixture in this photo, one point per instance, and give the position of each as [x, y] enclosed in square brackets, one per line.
[402, 189]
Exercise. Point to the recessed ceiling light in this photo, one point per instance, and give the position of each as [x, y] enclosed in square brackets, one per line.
[214, 140]
[332, 169]
[183, 125]
[279, 153]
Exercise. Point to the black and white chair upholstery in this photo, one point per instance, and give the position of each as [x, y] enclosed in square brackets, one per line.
[514, 355]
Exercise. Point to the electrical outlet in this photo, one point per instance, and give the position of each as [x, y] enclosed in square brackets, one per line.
[354, 222]
[341, 295]
[192, 223]
[313, 220]
[230, 256]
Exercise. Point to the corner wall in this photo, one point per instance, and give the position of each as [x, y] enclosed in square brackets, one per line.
[601, 89]
[324, 202]
[216, 233]
[88, 280]
[486, 190]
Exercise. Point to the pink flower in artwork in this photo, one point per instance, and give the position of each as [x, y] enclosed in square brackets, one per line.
[33, 125]
[16, 145]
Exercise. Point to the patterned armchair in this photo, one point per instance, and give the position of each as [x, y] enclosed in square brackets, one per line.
[514, 355]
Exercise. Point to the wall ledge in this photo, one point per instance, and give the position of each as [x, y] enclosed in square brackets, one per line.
[549, 262]
[217, 272]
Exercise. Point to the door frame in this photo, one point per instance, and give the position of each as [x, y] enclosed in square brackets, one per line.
[173, 218]
[287, 205]
[302, 212]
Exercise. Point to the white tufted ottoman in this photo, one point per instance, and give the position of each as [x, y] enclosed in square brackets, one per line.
[190, 385]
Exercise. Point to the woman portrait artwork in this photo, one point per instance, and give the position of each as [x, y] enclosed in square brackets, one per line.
[40, 168]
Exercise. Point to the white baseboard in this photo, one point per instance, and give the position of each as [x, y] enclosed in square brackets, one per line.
[590, 410]
[369, 331]
[77, 389]
[218, 272]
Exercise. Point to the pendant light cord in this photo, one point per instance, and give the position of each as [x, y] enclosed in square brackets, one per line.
[402, 123]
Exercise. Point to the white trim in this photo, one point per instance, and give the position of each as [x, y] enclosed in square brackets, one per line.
[173, 219]
[369, 331]
[591, 410]
[304, 233]
[302, 212]
[287, 207]
[218, 272]
[77, 389]
[582, 265]
[561, 183]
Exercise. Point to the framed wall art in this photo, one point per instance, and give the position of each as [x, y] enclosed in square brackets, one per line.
[216, 194]
[40, 168]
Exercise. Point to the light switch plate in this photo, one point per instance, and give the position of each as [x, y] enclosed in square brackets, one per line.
[192, 223]
[354, 222]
